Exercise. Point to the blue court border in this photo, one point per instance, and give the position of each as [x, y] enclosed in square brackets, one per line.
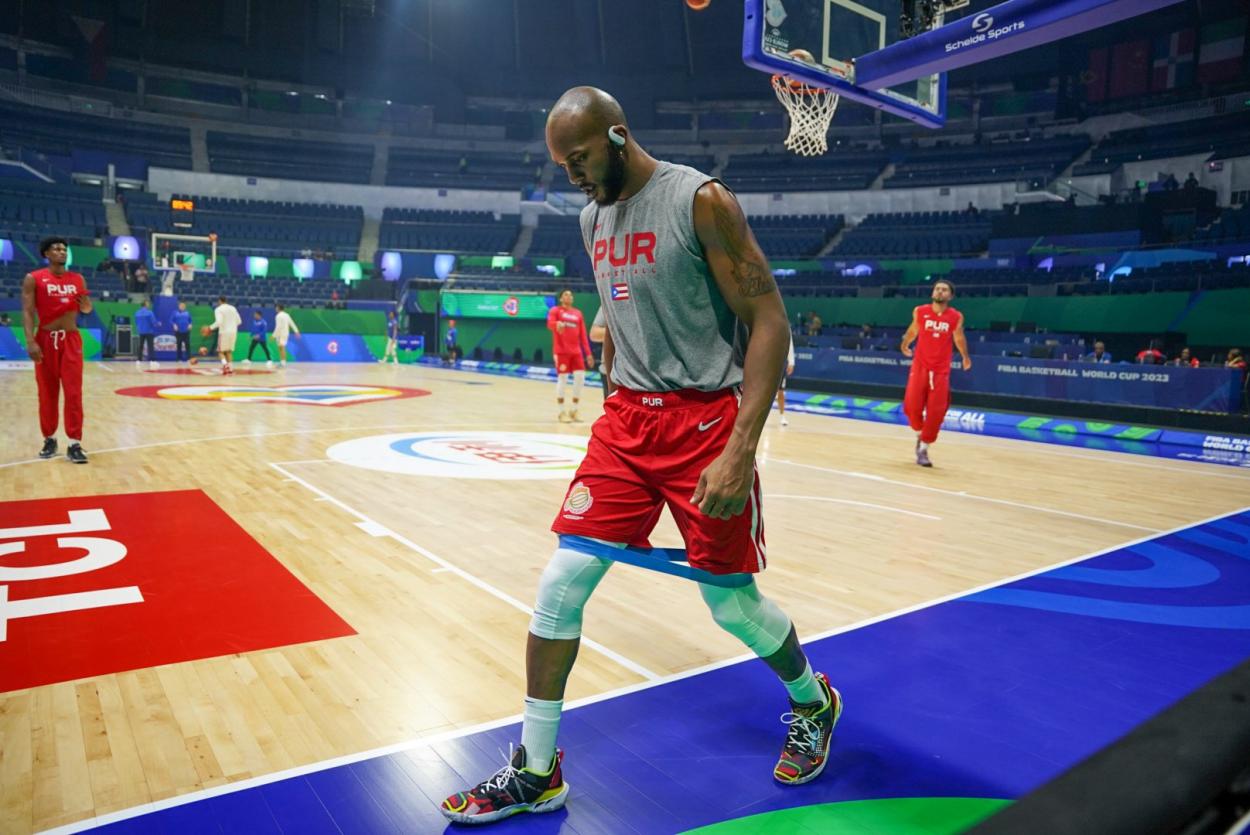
[984, 695]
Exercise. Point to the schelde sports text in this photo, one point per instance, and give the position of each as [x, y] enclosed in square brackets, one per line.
[987, 35]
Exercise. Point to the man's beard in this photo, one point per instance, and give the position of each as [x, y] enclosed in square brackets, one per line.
[614, 179]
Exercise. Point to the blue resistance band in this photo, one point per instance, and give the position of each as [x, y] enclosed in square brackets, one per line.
[665, 560]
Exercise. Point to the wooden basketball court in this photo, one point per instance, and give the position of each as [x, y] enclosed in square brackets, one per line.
[435, 573]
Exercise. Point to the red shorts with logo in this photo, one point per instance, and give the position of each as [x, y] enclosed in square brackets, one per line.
[570, 362]
[647, 452]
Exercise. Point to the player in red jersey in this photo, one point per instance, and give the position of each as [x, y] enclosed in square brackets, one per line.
[933, 328]
[571, 349]
[54, 297]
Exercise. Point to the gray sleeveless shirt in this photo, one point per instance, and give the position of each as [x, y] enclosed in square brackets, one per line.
[670, 325]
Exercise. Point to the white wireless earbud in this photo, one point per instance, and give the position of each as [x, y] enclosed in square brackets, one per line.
[616, 137]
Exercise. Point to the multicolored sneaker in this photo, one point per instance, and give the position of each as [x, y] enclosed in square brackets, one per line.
[806, 751]
[509, 791]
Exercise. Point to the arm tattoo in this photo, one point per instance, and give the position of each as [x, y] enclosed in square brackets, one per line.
[749, 272]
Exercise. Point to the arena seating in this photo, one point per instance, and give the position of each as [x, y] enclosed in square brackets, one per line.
[1219, 134]
[447, 231]
[839, 171]
[294, 159]
[444, 169]
[256, 227]
[987, 162]
[88, 143]
[920, 234]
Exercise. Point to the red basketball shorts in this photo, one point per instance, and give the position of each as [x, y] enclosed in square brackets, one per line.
[570, 362]
[647, 452]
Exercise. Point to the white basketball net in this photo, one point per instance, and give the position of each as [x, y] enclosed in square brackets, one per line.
[811, 109]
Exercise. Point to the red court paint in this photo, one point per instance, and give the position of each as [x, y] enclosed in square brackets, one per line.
[101, 584]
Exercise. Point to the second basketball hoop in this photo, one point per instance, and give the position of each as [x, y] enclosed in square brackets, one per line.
[811, 110]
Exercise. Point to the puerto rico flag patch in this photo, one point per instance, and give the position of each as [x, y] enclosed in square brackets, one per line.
[620, 292]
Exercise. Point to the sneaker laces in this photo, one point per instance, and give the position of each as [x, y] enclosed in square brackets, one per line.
[804, 733]
[499, 780]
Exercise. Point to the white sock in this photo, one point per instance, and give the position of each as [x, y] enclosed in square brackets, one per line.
[924, 447]
[538, 732]
[579, 380]
[560, 382]
[805, 690]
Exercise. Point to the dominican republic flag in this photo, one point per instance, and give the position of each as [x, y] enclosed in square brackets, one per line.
[620, 292]
[1173, 64]
[1220, 47]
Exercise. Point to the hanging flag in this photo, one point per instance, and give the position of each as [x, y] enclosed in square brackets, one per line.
[1130, 73]
[1220, 47]
[96, 34]
[1095, 78]
[1173, 64]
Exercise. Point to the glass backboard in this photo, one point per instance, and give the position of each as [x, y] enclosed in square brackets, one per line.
[836, 33]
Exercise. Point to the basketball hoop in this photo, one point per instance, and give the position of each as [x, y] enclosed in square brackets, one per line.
[811, 110]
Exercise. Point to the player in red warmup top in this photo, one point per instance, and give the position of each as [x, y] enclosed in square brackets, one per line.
[934, 327]
[570, 347]
[52, 298]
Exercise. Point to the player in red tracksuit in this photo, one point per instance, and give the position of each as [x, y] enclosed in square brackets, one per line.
[571, 349]
[934, 327]
[55, 296]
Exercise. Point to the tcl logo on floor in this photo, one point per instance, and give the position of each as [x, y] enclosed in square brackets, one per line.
[97, 585]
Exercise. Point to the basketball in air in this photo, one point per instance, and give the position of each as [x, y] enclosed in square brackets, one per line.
[193, 361]
[806, 57]
[698, 5]
[205, 330]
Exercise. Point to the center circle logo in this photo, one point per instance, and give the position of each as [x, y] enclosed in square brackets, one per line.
[505, 456]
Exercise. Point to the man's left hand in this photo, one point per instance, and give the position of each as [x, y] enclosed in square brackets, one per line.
[725, 485]
[967, 364]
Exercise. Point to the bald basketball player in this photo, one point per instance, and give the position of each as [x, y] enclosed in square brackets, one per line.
[682, 282]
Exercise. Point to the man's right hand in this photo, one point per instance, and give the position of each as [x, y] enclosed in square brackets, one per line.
[906, 351]
[34, 351]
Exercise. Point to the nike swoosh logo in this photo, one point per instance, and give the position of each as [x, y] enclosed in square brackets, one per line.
[703, 427]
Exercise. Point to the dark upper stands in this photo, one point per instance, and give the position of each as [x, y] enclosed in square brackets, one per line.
[837, 171]
[1031, 159]
[448, 231]
[925, 234]
[1222, 135]
[88, 143]
[256, 227]
[293, 159]
[480, 169]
